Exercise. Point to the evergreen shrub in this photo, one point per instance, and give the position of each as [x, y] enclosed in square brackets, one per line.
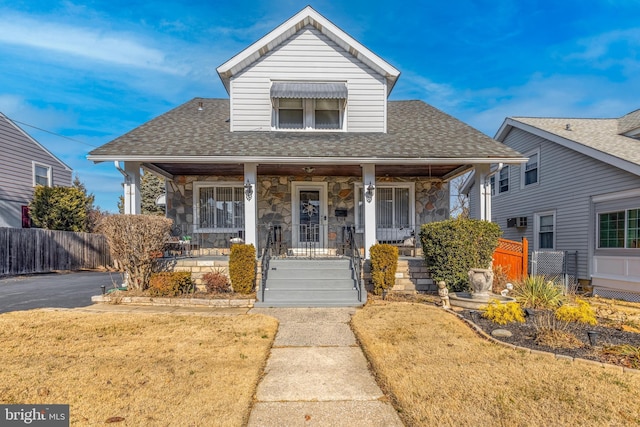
[242, 268]
[452, 247]
[384, 264]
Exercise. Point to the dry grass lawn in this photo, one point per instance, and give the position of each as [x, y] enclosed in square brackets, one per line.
[439, 372]
[144, 369]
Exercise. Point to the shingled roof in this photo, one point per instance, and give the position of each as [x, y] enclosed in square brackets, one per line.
[416, 131]
[601, 138]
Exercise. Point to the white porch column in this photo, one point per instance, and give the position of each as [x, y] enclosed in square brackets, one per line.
[250, 204]
[482, 191]
[369, 204]
[132, 201]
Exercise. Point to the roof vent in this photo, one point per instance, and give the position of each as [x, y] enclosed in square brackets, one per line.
[200, 107]
[567, 127]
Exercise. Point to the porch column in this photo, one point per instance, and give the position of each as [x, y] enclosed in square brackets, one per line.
[369, 204]
[250, 204]
[132, 201]
[482, 191]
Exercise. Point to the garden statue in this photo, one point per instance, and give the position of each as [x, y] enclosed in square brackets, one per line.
[444, 294]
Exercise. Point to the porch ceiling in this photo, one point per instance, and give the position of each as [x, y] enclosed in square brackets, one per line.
[229, 169]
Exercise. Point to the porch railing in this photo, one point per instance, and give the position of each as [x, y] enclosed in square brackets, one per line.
[353, 252]
[266, 257]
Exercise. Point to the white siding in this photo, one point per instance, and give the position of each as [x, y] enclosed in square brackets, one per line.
[17, 154]
[567, 180]
[308, 56]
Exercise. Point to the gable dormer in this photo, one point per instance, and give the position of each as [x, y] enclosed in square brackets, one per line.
[308, 75]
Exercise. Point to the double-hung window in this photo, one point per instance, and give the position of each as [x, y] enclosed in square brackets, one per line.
[620, 229]
[530, 171]
[41, 174]
[503, 180]
[219, 207]
[545, 227]
[308, 106]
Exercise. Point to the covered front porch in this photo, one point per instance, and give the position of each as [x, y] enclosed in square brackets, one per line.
[304, 209]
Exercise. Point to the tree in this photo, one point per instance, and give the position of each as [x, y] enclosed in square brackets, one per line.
[151, 187]
[65, 208]
[459, 201]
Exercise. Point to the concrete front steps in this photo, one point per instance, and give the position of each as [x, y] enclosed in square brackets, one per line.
[412, 276]
[322, 282]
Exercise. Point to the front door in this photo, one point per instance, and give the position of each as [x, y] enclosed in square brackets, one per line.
[309, 210]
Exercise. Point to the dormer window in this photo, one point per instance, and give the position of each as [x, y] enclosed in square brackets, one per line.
[309, 106]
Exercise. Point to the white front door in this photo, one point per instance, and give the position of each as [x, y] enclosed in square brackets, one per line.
[309, 211]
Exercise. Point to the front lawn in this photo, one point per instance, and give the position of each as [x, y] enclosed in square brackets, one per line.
[439, 372]
[137, 368]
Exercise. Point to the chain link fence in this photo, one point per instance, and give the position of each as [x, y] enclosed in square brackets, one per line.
[559, 266]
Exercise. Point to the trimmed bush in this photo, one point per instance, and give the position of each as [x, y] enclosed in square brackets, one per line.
[454, 246]
[170, 284]
[135, 241]
[242, 268]
[384, 264]
[216, 282]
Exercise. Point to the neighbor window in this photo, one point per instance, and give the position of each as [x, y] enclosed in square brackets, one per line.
[298, 113]
[530, 169]
[545, 230]
[41, 175]
[220, 207]
[619, 229]
[503, 181]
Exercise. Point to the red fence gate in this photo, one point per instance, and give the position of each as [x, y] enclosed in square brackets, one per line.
[512, 257]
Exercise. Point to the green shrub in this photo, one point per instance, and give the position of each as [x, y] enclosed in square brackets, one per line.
[216, 282]
[170, 284]
[454, 246]
[538, 293]
[581, 312]
[503, 313]
[242, 268]
[384, 264]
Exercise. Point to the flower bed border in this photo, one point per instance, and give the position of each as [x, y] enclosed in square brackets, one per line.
[175, 302]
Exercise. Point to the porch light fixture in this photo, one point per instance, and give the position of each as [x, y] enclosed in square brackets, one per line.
[369, 193]
[308, 169]
[248, 190]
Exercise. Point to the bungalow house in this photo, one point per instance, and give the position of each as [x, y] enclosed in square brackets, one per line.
[307, 143]
[24, 163]
[578, 192]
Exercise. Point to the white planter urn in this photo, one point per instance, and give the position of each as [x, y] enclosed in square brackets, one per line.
[481, 280]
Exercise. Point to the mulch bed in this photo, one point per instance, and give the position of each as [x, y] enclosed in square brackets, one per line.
[523, 335]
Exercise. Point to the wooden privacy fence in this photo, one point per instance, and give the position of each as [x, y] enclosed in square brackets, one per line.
[512, 256]
[32, 250]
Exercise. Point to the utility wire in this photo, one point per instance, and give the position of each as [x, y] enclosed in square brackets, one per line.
[53, 133]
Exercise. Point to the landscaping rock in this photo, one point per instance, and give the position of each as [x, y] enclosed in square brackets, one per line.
[501, 333]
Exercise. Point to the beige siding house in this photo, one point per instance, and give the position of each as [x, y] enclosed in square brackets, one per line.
[24, 163]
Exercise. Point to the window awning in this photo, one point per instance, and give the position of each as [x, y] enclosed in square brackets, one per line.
[309, 90]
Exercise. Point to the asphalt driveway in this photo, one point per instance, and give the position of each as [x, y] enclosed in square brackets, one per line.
[64, 290]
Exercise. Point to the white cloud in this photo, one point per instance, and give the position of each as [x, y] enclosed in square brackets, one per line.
[93, 44]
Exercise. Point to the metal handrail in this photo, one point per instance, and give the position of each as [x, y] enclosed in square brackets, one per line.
[266, 257]
[356, 260]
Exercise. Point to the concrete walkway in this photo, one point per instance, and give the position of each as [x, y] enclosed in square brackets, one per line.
[317, 374]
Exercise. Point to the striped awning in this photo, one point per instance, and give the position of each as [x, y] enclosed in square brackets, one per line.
[309, 90]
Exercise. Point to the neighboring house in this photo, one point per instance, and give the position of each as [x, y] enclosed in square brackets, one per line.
[579, 191]
[24, 163]
[307, 142]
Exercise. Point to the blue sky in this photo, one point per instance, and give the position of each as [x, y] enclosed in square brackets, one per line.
[93, 70]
